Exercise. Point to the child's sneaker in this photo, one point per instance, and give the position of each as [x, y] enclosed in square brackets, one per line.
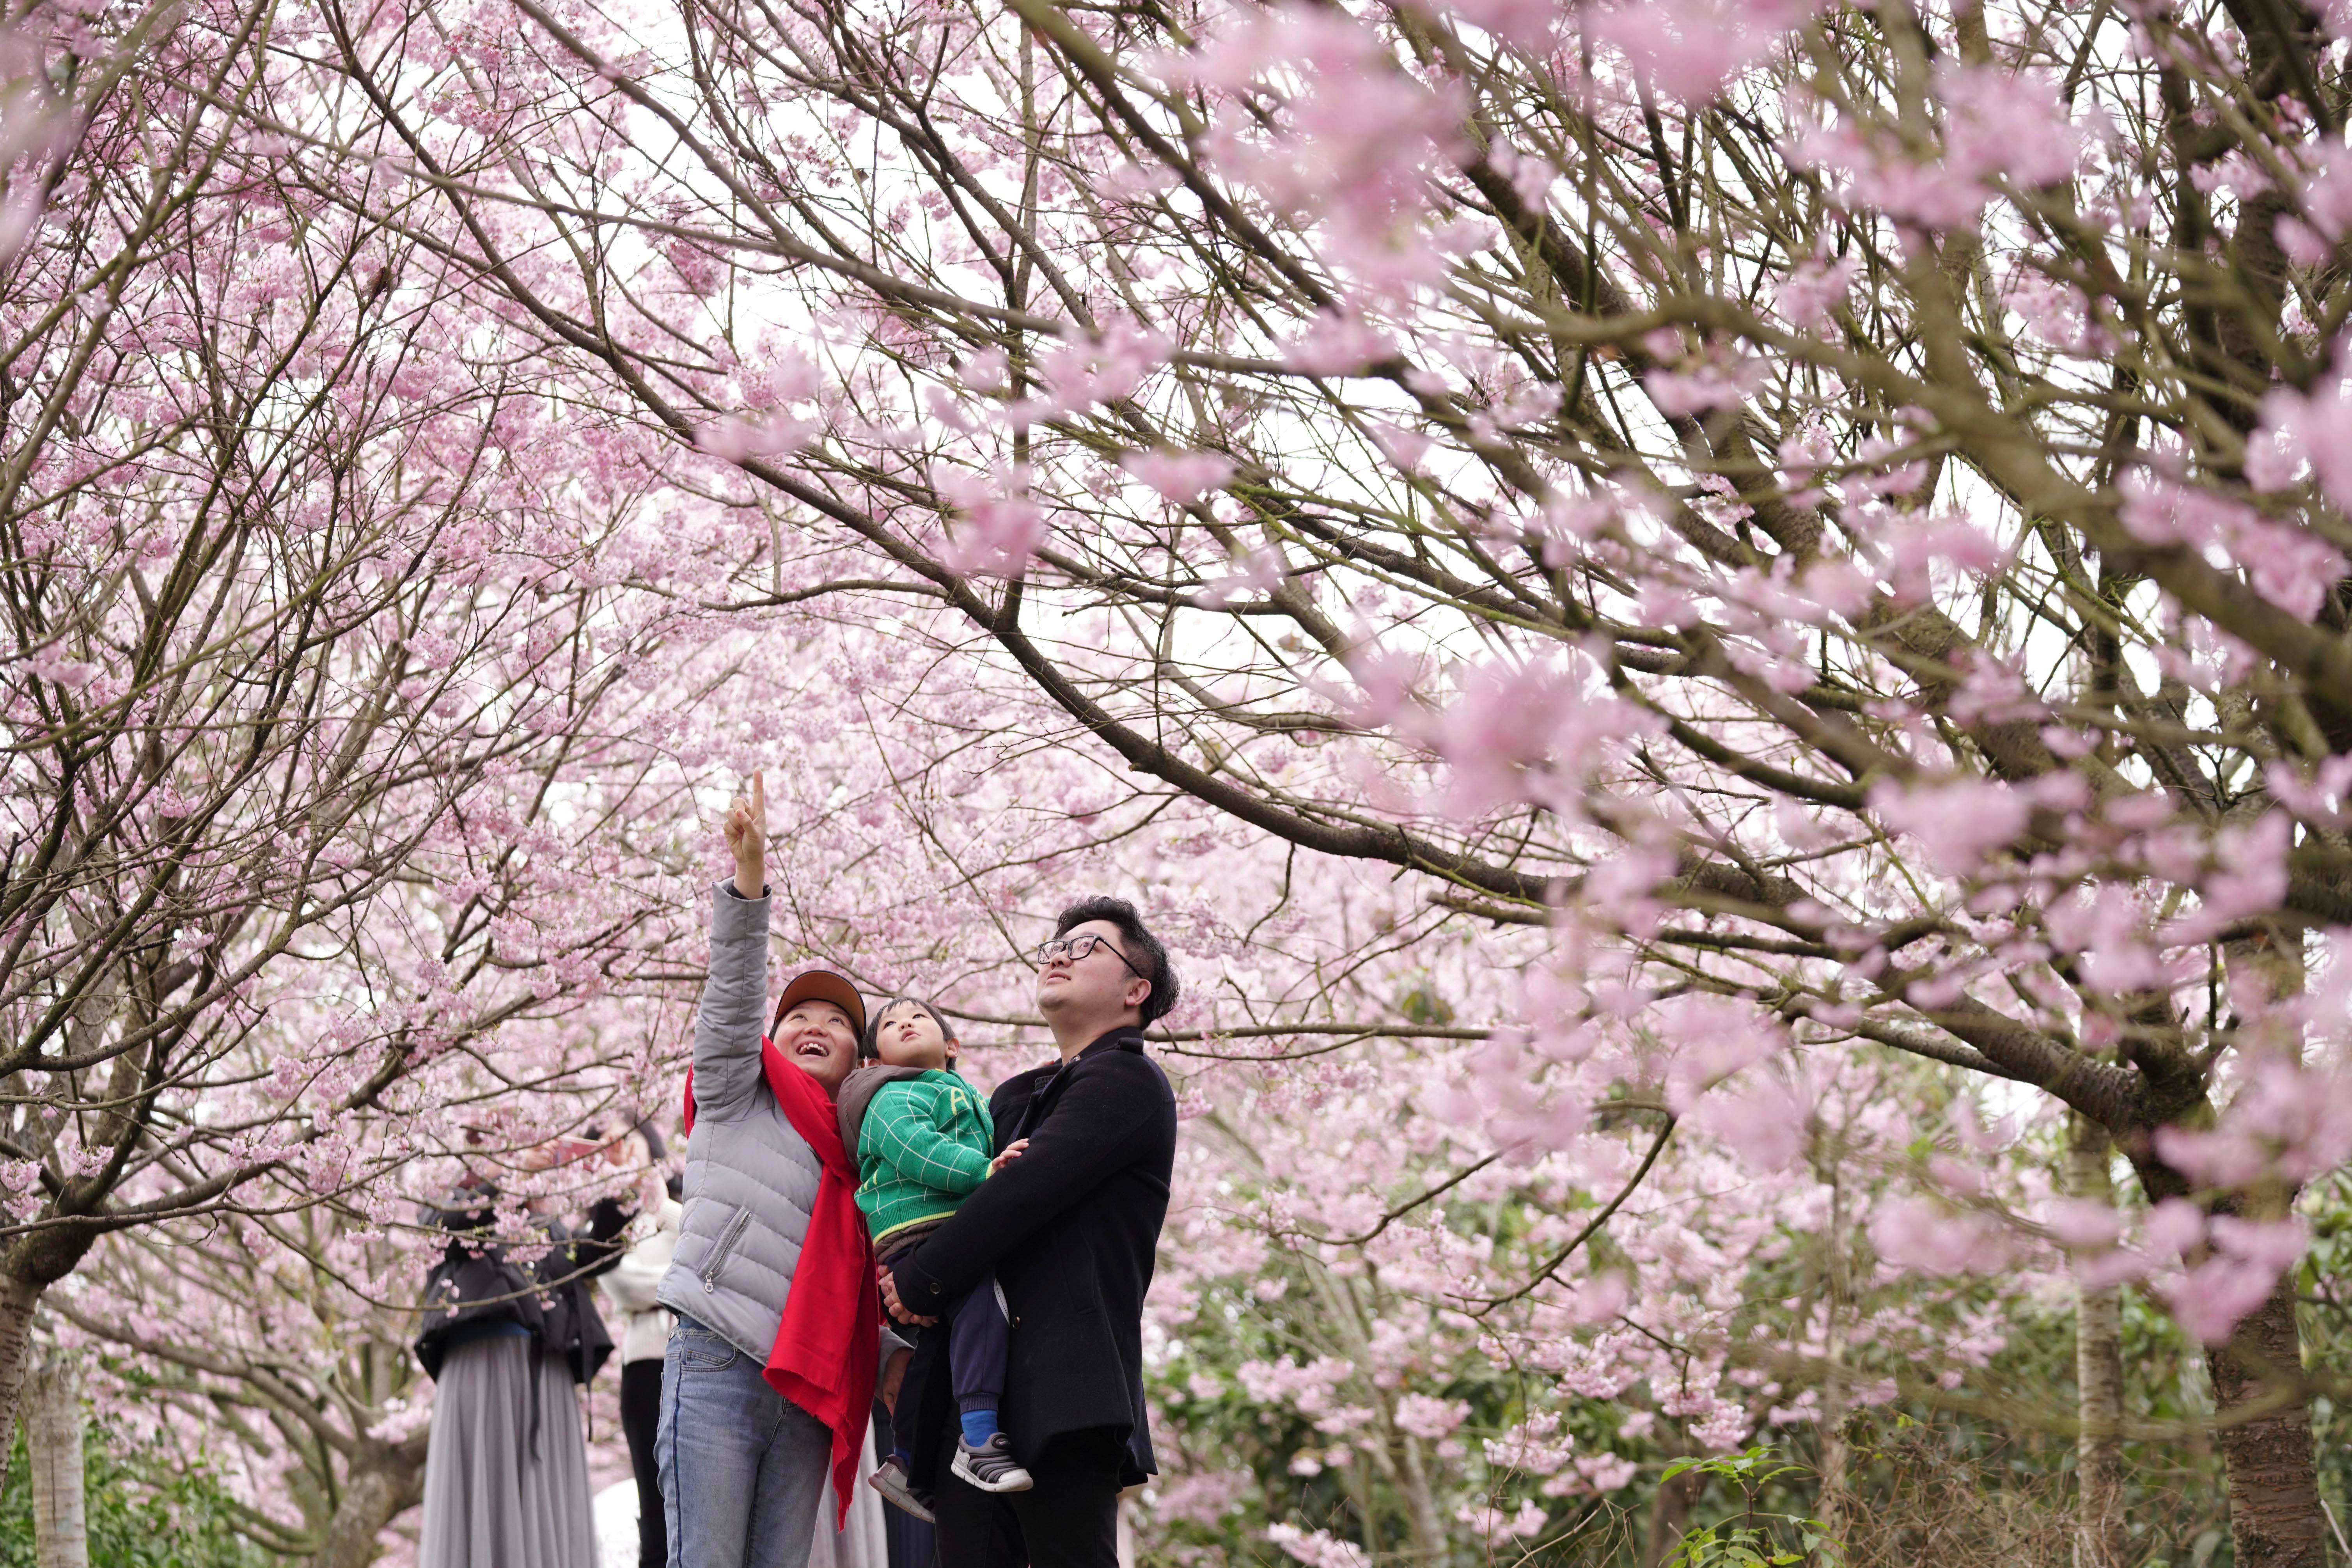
[991, 1466]
[891, 1481]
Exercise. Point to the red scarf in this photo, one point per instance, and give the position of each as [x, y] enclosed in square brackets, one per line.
[831, 1337]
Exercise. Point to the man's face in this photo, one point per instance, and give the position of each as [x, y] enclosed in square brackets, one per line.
[1100, 984]
[815, 1037]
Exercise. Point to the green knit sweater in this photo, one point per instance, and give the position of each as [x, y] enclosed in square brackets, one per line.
[925, 1143]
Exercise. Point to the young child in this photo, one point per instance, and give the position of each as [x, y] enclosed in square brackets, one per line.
[922, 1138]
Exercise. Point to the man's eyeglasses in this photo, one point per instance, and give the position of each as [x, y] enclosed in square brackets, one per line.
[1075, 948]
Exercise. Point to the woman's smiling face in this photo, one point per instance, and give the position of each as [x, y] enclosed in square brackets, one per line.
[815, 1037]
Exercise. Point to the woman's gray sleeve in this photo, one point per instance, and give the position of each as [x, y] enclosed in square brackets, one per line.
[734, 1000]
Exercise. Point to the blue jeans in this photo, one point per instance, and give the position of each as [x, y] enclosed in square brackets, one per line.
[743, 1469]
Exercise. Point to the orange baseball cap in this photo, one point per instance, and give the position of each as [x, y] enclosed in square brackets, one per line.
[822, 986]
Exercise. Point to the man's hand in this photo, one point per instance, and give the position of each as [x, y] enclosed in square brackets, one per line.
[894, 1376]
[890, 1297]
[1012, 1152]
[746, 831]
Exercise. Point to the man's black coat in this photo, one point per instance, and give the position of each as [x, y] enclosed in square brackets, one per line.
[1070, 1229]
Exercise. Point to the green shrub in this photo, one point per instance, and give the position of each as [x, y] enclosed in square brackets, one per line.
[146, 1510]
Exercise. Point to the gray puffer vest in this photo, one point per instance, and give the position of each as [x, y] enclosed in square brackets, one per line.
[751, 1180]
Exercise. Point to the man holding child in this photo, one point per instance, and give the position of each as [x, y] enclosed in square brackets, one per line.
[1068, 1227]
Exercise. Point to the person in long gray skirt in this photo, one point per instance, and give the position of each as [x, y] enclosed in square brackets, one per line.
[506, 1467]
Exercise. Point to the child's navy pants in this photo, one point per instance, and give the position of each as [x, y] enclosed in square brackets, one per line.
[976, 1338]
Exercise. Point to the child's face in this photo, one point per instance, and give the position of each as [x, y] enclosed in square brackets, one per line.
[909, 1038]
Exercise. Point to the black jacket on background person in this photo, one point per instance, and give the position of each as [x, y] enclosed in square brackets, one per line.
[1070, 1229]
[476, 1284]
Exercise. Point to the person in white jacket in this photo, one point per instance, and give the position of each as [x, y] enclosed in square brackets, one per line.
[644, 1325]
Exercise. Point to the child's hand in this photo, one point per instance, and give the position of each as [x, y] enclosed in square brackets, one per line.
[1012, 1152]
[890, 1283]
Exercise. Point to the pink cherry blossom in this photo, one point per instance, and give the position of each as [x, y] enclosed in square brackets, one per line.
[1691, 47]
[1919, 1233]
[1181, 477]
[1958, 823]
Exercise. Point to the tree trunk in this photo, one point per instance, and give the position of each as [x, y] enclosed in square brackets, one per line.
[375, 1492]
[28, 1267]
[2274, 1514]
[1833, 1503]
[2098, 1374]
[1833, 1500]
[53, 1433]
[1670, 1511]
[2275, 1517]
[17, 1300]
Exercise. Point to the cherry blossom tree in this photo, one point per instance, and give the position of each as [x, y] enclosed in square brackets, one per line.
[325, 715]
[312, 1384]
[1691, 1305]
[1837, 508]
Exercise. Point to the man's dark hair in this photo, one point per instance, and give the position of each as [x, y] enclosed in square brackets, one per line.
[1143, 950]
[870, 1048]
